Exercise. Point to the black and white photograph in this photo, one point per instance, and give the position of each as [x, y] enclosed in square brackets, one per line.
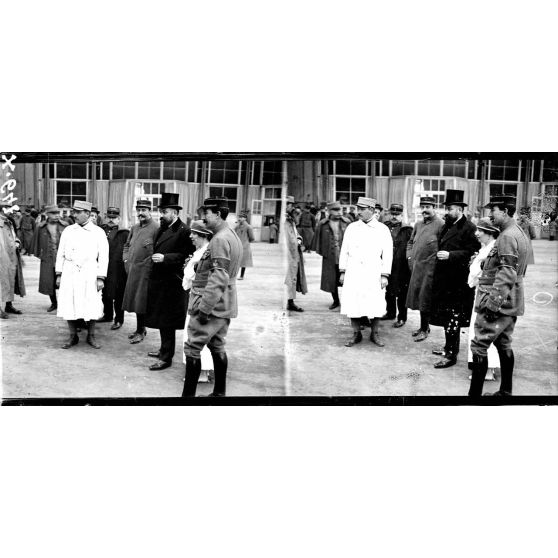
[272, 275]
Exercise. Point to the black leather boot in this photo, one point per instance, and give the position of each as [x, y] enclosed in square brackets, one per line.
[507, 361]
[220, 365]
[480, 368]
[193, 371]
[91, 339]
[375, 333]
[356, 338]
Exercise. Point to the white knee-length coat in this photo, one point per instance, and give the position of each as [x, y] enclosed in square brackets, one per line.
[366, 255]
[82, 257]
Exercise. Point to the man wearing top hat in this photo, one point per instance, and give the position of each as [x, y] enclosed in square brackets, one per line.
[500, 298]
[421, 257]
[396, 292]
[11, 269]
[365, 266]
[452, 298]
[213, 301]
[115, 284]
[327, 243]
[45, 247]
[137, 253]
[81, 270]
[166, 299]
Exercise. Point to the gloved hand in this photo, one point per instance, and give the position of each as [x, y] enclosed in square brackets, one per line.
[490, 316]
[203, 318]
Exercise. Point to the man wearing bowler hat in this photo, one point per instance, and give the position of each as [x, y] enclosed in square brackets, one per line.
[213, 302]
[45, 247]
[396, 292]
[115, 285]
[500, 298]
[327, 243]
[166, 299]
[452, 298]
[81, 270]
[364, 268]
[137, 264]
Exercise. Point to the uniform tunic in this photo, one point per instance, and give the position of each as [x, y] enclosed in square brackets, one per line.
[45, 247]
[400, 272]
[246, 235]
[366, 255]
[82, 258]
[500, 290]
[530, 233]
[137, 263]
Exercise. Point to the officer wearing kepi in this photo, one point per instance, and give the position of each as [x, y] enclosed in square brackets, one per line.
[499, 299]
[213, 301]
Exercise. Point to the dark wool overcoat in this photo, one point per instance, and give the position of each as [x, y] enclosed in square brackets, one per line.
[400, 271]
[451, 293]
[421, 249]
[137, 263]
[324, 245]
[166, 299]
[116, 274]
[306, 228]
[47, 254]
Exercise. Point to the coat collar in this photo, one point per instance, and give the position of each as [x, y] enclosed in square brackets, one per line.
[165, 234]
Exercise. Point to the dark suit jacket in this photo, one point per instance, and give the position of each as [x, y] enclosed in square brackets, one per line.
[166, 299]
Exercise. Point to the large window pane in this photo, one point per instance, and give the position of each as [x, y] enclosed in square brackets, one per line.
[358, 185]
[117, 170]
[192, 172]
[256, 179]
[79, 170]
[471, 170]
[454, 168]
[343, 184]
[550, 172]
[358, 167]
[129, 170]
[63, 170]
[63, 188]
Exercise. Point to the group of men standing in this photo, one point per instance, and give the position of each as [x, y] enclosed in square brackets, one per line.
[386, 268]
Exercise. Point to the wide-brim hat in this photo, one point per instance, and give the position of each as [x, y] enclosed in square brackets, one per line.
[216, 203]
[143, 203]
[366, 202]
[455, 197]
[52, 209]
[199, 227]
[169, 200]
[486, 225]
[503, 201]
[113, 212]
[80, 205]
[427, 200]
[396, 208]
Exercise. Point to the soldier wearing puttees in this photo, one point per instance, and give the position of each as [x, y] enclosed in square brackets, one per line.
[499, 299]
[213, 301]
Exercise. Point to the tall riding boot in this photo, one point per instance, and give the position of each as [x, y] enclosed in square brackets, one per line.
[220, 364]
[73, 339]
[193, 371]
[451, 348]
[375, 333]
[91, 340]
[53, 303]
[507, 361]
[336, 302]
[480, 367]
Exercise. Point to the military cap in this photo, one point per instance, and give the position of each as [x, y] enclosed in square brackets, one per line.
[334, 205]
[216, 202]
[80, 205]
[501, 201]
[396, 208]
[143, 202]
[113, 212]
[199, 228]
[52, 209]
[427, 200]
[366, 202]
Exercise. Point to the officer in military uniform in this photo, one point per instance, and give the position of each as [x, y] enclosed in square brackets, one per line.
[499, 297]
[213, 301]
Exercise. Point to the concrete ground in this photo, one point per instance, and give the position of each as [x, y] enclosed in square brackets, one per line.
[273, 352]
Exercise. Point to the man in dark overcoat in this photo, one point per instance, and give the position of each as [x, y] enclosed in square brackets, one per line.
[452, 298]
[166, 299]
[327, 243]
[213, 301]
[306, 226]
[115, 283]
[137, 264]
[27, 231]
[421, 257]
[45, 247]
[396, 292]
[500, 298]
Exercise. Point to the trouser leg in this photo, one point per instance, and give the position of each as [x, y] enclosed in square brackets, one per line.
[220, 366]
[53, 299]
[140, 318]
[91, 327]
[242, 271]
[118, 310]
[107, 307]
[424, 321]
[390, 304]
[72, 326]
[402, 306]
[168, 344]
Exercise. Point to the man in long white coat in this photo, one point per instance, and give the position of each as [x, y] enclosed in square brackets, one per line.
[81, 270]
[365, 266]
